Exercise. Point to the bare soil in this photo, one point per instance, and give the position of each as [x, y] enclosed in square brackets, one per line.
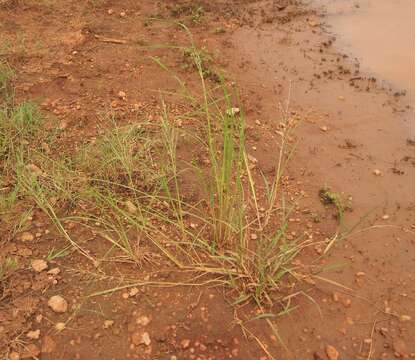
[75, 57]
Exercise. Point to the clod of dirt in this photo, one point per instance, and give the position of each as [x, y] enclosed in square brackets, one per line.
[54, 271]
[133, 292]
[332, 352]
[48, 344]
[131, 208]
[58, 304]
[108, 324]
[31, 351]
[139, 338]
[185, 343]
[143, 320]
[33, 334]
[34, 169]
[399, 346]
[233, 111]
[60, 326]
[14, 356]
[39, 265]
[27, 236]
[404, 318]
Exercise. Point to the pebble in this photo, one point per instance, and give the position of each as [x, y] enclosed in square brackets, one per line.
[54, 271]
[404, 318]
[185, 343]
[110, 11]
[60, 326]
[139, 338]
[27, 236]
[233, 111]
[254, 236]
[33, 334]
[122, 95]
[133, 292]
[324, 128]
[377, 172]
[14, 356]
[332, 352]
[143, 320]
[39, 265]
[385, 217]
[131, 208]
[58, 304]
[108, 324]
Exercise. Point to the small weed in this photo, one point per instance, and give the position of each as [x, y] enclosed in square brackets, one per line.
[329, 197]
[7, 267]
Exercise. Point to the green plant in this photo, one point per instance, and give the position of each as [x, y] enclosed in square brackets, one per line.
[329, 197]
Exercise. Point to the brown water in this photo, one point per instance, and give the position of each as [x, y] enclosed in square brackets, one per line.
[381, 34]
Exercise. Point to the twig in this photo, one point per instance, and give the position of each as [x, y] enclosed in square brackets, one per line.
[110, 40]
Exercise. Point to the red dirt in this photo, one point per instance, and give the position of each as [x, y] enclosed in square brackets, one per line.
[363, 303]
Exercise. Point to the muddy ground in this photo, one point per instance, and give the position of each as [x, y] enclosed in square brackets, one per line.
[79, 59]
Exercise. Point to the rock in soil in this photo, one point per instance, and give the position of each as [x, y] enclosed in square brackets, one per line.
[34, 334]
[139, 338]
[27, 236]
[332, 352]
[58, 304]
[39, 265]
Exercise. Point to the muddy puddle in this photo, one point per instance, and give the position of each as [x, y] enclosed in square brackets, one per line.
[380, 34]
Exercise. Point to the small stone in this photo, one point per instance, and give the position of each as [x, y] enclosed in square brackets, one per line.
[385, 217]
[27, 236]
[48, 344]
[332, 352]
[377, 172]
[324, 128]
[312, 23]
[340, 97]
[125, 296]
[139, 338]
[143, 320]
[185, 343]
[39, 265]
[131, 208]
[60, 326]
[254, 236]
[404, 318]
[34, 169]
[14, 356]
[123, 13]
[108, 324]
[133, 292]
[58, 304]
[54, 271]
[122, 95]
[110, 11]
[33, 334]
[233, 111]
